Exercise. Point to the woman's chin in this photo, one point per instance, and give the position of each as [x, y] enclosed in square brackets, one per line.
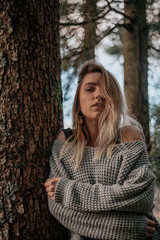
[94, 116]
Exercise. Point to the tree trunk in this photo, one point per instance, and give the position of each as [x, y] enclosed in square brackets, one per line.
[89, 42]
[135, 62]
[31, 114]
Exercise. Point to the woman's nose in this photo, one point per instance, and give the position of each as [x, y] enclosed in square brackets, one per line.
[98, 94]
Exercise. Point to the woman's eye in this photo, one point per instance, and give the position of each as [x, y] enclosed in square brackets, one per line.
[89, 89]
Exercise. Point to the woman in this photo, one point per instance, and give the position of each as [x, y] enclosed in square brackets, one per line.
[100, 184]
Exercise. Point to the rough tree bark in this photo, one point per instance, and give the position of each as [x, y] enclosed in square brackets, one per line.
[135, 62]
[89, 42]
[31, 114]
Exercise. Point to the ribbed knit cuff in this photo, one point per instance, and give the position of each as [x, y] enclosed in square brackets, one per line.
[60, 190]
[141, 228]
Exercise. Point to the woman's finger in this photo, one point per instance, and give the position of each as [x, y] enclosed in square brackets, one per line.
[151, 223]
[46, 184]
[150, 229]
[50, 194]
[50, 189]
[54, 182]
[51, 181]
[55, 179]
[148, 235]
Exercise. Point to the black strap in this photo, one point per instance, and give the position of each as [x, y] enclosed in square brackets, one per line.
[67, 132]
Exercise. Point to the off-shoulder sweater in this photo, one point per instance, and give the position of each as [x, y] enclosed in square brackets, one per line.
[109, 198]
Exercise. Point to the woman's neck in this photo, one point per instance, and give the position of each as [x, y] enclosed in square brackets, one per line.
[93, 130]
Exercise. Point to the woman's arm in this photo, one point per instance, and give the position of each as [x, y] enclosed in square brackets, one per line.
[132, 192]
[135, 195]
[102, 225]
[50, 188]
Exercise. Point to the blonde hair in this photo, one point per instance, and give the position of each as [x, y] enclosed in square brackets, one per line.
[113, 117]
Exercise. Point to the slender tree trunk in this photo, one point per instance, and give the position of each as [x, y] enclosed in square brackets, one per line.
[31, 114]
[89, 42]
[135, 62]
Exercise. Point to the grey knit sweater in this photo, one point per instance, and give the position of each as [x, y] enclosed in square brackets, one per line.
[106, 199]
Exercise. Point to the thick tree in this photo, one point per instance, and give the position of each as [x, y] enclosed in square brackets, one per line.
[135, 46]
[31, 114]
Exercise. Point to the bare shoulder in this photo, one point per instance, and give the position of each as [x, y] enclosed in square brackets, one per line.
[61, 136]
[131, 133]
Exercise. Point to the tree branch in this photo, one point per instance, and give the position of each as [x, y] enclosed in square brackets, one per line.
[74, 52]
[155, 49]
[119, 12]
[109, 31]
[72, 23]
[85, 22]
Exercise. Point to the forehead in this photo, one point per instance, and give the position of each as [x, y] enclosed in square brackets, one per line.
[93, 77]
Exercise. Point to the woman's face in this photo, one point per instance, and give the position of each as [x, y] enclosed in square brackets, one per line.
[91, 102]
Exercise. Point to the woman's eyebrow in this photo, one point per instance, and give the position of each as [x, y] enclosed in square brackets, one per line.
[90, 83]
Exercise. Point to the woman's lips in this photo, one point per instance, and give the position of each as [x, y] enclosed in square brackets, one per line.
[98, 105]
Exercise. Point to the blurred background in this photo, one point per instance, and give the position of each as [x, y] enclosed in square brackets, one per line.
[124, 36]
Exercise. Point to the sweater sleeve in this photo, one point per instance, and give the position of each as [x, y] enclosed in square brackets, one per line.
[133, 192]
[102, 225]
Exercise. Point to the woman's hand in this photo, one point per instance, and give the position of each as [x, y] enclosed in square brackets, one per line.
[50, 186]
[150, 228]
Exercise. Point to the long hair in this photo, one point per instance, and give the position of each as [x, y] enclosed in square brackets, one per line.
[111, 120]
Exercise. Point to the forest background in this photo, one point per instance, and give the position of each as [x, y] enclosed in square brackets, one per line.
[122, 35]
[99, 30]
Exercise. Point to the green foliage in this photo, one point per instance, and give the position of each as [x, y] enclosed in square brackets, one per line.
[115, 50]
[63, 11]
